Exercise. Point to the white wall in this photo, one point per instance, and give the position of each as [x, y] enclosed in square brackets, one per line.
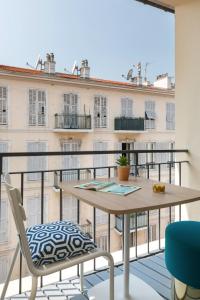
[188, 94]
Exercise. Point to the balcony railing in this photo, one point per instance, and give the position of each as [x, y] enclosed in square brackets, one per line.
[90, 224]
[72, 121]
[126, 123]
[140, 223]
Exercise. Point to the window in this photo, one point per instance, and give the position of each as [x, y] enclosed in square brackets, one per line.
[4, 264]
[70, 104]
[33, 210]
[142, 159]
[102, 241]
[152, 233]
[70, 161]
[100, 160]
[162, 157]
[170, 116]
[37, 107]
[70, 118]
[4, 148]
[101, 217]
[4, 221]
[126, 107]
[36, 163]
[70, 208]
[150, 115]
[100, 112]
[3, 106]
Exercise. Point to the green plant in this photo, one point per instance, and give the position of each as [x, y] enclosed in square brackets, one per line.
[122, 161]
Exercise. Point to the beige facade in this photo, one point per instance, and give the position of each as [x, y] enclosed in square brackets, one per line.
[29, 102]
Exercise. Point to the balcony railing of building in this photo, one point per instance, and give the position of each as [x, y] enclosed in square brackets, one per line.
[141, 221]
[128, 123]
[55, 176]
[73, 121]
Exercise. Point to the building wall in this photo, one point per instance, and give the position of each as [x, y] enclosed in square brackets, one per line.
[17, 133]
[188, 94]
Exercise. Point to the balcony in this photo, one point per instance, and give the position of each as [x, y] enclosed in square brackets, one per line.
[129, 124]
[72, 123]
[146, 235]
[140, 223]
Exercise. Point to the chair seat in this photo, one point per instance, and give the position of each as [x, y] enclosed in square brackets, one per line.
[182, 251]
[57, 241]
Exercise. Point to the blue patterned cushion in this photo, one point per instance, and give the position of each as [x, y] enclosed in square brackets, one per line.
[57, 241]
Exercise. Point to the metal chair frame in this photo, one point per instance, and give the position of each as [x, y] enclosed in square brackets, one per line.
[19, 215]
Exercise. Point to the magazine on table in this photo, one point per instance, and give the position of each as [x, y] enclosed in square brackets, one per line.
[108, 187]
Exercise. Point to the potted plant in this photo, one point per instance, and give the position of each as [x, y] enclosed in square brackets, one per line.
[123, 168]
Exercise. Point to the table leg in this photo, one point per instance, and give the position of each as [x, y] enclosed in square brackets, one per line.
[126, 254]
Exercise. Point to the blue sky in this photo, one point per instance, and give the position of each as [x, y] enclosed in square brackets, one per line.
[112, 34]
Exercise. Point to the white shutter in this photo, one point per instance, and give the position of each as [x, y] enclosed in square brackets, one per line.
[41, 108]
[100, 112]
[37, 107]
[3, 106]
[70, 104]
[4, 264]
[33, 210]
[100, 160]
[101, 217]
[3, 221]
[70, 161]
[142, 158]
[170, 116]
[36, 163]
[150, 114]
[127, 107]
[70, 208]
[162, 157]
[32, 107]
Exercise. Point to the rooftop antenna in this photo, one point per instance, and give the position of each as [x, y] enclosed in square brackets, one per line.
[129, 75]
[145, 70]
[30, 66]
[38, 62]
[74, 68]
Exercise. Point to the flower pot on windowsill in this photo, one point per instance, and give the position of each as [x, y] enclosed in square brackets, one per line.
[123, 172]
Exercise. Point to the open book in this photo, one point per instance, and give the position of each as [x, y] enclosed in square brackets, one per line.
[109, 187]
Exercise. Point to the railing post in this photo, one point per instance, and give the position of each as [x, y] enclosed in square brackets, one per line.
[136, 163]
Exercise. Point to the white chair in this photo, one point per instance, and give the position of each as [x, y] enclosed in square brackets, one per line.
[45, 269]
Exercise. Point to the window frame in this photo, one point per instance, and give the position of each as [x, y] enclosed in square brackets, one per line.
[37, 108]
[101, 121]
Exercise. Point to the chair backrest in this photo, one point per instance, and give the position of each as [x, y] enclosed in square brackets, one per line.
[19, 215]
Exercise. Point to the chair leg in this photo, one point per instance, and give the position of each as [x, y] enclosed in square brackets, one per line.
[34, 288]
[10, 273]
[110, 260]
[81, 277]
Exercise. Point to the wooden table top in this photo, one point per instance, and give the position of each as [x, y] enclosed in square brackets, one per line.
[141, 200]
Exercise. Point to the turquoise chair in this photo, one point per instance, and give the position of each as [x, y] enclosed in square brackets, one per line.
[182, 257]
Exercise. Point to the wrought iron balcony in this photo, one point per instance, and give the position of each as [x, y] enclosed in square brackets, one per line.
[127, 123]
[73, 121]
[141, 221]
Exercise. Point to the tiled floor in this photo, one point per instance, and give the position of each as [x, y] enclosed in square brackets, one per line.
[151, 269]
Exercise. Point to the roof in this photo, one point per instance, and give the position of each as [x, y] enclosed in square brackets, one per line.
[18, 71]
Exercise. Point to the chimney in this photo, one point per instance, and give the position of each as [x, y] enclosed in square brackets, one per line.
[163, 81]
[84, 69]
[50, 64]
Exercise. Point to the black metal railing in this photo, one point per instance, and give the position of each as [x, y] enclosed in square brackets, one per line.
[72, 121]
[141, 221]
[91, 226]
[127, 123]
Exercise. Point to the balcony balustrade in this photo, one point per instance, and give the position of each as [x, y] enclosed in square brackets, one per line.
[129, 124]
[139, 221]
[73, 122]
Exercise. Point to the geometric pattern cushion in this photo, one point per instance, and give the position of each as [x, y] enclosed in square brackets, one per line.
[57, 241]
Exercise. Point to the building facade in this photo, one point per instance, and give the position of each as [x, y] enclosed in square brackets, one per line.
[41, 110]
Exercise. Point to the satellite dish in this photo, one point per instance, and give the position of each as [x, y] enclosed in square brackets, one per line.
[130, 74]
[75, 67]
